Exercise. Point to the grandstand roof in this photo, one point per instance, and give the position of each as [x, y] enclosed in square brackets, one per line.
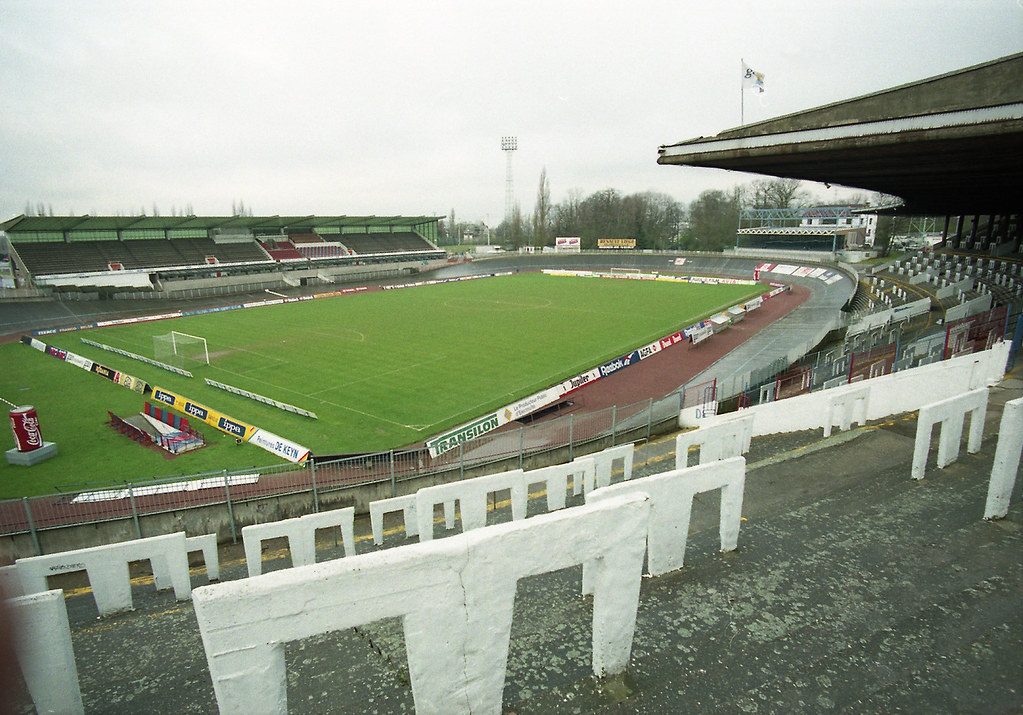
[946, 145]
[256, 224]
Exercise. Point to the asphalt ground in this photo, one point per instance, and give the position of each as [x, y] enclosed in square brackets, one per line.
[854, 589]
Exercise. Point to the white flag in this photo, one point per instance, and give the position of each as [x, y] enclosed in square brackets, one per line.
[751, 78]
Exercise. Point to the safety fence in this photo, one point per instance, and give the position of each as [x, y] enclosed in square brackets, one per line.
[85, 504]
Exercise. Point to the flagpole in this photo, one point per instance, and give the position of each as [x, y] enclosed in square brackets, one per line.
[742, 97]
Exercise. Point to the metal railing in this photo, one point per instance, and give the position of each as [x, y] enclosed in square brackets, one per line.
[317, 478]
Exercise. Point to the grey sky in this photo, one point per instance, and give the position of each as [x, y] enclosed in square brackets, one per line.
[399, 107]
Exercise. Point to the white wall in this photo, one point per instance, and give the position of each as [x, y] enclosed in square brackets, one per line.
[892, 394]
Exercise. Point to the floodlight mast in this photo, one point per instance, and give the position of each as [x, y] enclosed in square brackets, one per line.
[508, 146]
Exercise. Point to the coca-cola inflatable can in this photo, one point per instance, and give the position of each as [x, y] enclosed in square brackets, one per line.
[25, 425]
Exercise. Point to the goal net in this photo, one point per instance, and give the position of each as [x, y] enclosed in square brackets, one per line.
[180, 349]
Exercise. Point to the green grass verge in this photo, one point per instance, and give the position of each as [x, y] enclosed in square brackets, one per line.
[381, 369]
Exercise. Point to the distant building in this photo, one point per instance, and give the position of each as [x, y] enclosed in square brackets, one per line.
[828, 229]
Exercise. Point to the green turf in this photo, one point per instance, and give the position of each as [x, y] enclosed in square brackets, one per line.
[381, 370]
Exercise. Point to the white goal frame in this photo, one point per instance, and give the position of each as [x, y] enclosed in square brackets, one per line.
[176, 335]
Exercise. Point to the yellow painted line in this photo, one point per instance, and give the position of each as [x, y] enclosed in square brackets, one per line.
[114, 624]
[137, 581]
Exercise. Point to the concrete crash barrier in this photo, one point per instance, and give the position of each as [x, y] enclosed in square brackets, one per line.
[1006, 464]
[301, 534]
[42, 643]
[405, 504]
[605, 465]
[471, 495]
[892, 394]
[555, 479]
[951, 413]
[671, 506]
[455, 597]
[107, 568]
[207, 543]
[10, 582]
[719, 441]
[851, 405]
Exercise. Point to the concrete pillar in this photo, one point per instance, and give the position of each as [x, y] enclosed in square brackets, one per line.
[42, 642]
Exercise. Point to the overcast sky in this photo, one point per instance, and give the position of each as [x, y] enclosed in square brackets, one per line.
[399, 107]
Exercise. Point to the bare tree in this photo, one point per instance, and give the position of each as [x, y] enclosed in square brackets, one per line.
[774, 194]
[542, 212]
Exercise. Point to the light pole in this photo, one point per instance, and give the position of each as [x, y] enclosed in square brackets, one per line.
[508, 146]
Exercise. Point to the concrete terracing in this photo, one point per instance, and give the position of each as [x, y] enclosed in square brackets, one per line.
[853, 588]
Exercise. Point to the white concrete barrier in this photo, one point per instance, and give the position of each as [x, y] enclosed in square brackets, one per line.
[471, 495]
[207, 543]
[555, 479]
[604, 461]
[107, 568]
[405, 504]
[10, 582]
[728, 438]
[849, 406]
[1006, 464]
[455, 597]
[892, 394]
[951, 413]
[42, 641]
[671, 506]
[301, 534]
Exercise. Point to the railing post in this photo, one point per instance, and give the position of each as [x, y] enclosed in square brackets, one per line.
[134, 512]
[614, 423]
[230, 509]
[649, 418]
[521, 443]
[316, 495]
[461, 462]
[571, 436]
[32, 526]
[394, 490]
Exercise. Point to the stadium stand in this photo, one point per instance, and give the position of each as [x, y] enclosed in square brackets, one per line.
[301, 239]
[282, 250]
[383, 243]
[43, 259]
[119, 255]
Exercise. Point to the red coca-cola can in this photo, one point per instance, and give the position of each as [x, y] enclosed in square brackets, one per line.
[25, 425]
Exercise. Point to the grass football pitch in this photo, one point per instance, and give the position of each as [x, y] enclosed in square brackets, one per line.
[380, 369]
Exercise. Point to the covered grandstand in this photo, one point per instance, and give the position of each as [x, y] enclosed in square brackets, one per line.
[117, 255]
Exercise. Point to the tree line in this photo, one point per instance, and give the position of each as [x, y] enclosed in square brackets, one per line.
[656, 220]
